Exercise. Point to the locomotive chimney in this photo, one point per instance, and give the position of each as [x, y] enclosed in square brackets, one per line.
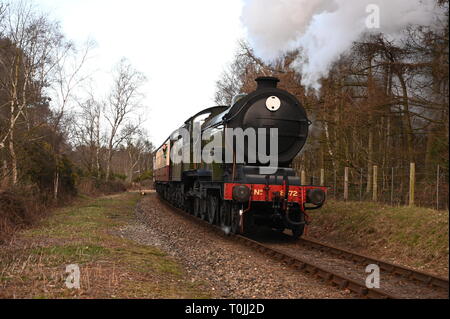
[267, 82]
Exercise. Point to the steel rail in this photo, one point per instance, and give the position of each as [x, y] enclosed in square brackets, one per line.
[391, 268]
[328, 275]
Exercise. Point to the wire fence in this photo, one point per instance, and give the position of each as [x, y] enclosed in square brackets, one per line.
[389, 185]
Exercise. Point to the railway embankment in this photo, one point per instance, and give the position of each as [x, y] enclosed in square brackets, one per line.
[86, 236]
[129, 246]
[411, 236]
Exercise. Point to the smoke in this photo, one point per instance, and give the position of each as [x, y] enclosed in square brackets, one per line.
[325, 29]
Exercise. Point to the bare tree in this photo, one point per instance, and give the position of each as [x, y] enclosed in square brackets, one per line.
[26, 63]
[122, 107]
[135, 147]
[66, 78]
[139, 151]
[246, 66]
[88, 134]
[2, 14]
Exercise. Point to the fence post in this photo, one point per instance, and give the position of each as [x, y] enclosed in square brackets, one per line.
[375, 183]
[303, 177]
[322, 177]
[437, 187]
[412, 180]
[392, 187]
[346, 184]
[335, 185]
[361, 184]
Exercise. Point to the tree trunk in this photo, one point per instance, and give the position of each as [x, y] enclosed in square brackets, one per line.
[369, 162]
[407, 119]
[97, 156]
[108, 164]
[371, 122]
[56, 186]
[12, 153]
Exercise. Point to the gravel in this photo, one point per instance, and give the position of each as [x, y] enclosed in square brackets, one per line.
[227, 268]
[397, 285]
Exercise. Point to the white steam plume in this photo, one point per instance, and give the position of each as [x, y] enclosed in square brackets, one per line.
[325, 29]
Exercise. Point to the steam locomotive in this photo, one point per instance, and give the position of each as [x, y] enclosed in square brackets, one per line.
[242, 193]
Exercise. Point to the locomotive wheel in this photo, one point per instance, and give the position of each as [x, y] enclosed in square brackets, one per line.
[225, 216]
[177, 198]
[189, 206]
[197, 207]
[212, 208]
[199, 203]
[181, 199]
[203, 209]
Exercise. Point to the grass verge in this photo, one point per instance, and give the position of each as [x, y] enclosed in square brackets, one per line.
[412, 236]
[86, 234]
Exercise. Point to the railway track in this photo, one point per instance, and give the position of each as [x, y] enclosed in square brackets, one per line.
[326, 274]
[387, 267]
[329, 276]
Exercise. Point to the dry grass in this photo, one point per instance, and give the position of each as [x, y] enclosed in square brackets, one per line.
[18, 211]
[94, 187]
[33, 265]
[413, 236]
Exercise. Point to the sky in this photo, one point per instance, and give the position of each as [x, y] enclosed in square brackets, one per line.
[181, 46]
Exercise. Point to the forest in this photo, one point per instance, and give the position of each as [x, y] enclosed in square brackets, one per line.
[59, 137]
[384, 104]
